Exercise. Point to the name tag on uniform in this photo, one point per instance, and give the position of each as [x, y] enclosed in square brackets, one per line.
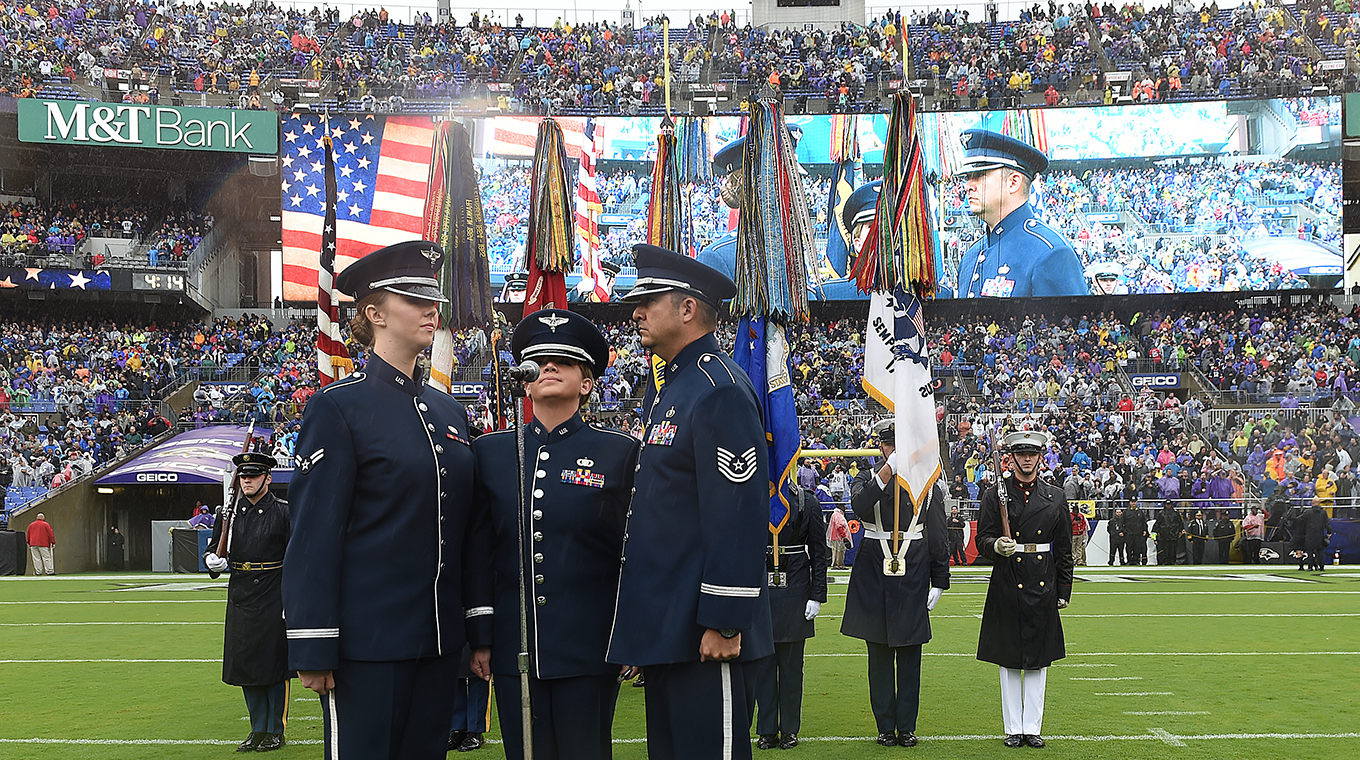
[663, 434]
[583, 477]
[998, 287]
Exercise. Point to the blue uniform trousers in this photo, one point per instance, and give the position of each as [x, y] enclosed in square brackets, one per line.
[573, 717]
[699, 710]
[471, 705]
[779, 689]
[894, 698]
[390, 710]
[268, 707]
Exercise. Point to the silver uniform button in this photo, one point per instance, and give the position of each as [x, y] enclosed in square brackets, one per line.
[543, 455]
[438, 449]
[538, 514]
[542, 600]
[540, 474]
[982, 257]
[443, 471]
[538, 535]
[424, 408]
[431, 427]
[538, 579]
[538, 493]
[538, 558]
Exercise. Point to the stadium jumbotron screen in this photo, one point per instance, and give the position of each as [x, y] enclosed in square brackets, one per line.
[1177, 197]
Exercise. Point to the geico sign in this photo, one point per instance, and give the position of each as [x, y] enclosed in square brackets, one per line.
[1156, 381]
[467, 389]
[157, 477]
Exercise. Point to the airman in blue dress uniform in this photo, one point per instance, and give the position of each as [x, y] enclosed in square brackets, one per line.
[692, 603]
[891, 613]
[797, 592]
[1019, 256]
[578, 480]
[387, 572]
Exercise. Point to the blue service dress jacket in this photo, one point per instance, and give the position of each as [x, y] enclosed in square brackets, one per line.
[388, 560]
[578, 479]
[694, 543]
[1018, 258]
[891, 610]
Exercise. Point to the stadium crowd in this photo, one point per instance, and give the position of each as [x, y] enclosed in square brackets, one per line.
[1172, 50]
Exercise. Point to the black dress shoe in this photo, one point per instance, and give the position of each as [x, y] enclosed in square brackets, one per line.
[767, 741]
[456, 738]
[906, 739]
[1013, 740]
[473, 741]
[888, 739]
[789, 741]
[269, 743]
[640, 681]
[250, 743]
[1034, 740]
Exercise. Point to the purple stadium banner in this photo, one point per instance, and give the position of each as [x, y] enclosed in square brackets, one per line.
[197, 457]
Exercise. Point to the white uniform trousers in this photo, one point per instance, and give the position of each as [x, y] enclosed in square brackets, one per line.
[1022, 700]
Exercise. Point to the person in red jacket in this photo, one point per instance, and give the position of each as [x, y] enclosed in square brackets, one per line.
[41, 542]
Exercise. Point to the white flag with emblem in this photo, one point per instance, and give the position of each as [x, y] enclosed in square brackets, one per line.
[897, 375]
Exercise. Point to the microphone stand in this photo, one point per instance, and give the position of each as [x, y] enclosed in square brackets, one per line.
[518, 391]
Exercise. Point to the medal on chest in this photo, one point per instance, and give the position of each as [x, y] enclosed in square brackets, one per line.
[998, 287]
[583, 475]
[662, 434]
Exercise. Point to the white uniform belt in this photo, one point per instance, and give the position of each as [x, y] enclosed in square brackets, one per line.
[885, 535]
[1033, 548]
[795, 549]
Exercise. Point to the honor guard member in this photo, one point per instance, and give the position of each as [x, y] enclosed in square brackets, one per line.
[1018, 256]
[388, 568]
[890, 610]
[692, 605]
[578, 480]
[1030, 547]
[255, 650]
[797, 592]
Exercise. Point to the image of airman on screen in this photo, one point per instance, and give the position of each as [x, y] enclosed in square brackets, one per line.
[1018, 256]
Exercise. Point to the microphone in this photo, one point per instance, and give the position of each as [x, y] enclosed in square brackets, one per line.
[527, 372]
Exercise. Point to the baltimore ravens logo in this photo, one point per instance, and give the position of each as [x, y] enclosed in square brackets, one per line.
[737, 468]
[553, 321]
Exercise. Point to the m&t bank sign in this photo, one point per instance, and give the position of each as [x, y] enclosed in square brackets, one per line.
[147, 126]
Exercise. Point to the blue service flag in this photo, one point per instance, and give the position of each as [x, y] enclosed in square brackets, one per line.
[840, 241]
[762, 349]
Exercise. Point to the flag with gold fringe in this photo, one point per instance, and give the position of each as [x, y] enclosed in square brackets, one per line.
[774, 238]
[551, 247]
[897, 266]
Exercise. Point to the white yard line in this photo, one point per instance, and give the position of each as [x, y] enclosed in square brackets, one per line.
[28, 625]
[1167, 737]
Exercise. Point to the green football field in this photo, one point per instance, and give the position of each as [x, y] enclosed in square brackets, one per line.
[1166, 663]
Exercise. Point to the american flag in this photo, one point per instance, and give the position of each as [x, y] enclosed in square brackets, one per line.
[588, 210]
[332, 358]
[382, 170]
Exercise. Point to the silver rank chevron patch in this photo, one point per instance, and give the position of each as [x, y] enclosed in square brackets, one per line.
[737, 468]
[305, 464]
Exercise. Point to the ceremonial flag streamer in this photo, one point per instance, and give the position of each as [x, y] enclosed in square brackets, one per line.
[381, 179]
[900, 248]
[774, 232]
[332, 358]
[664, 210]
[588, 209]
[551, 246]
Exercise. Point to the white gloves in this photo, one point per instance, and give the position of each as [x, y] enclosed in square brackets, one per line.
[214, 562]
[1062, 604]
[892, 462]
[813, 607]
[1004, 546]
[933, 598]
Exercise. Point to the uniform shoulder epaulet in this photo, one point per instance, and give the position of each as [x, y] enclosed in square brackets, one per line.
[706, 364]
[351, 380]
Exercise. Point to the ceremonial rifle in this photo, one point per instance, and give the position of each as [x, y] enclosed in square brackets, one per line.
[225, 513]
[1001, 495]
